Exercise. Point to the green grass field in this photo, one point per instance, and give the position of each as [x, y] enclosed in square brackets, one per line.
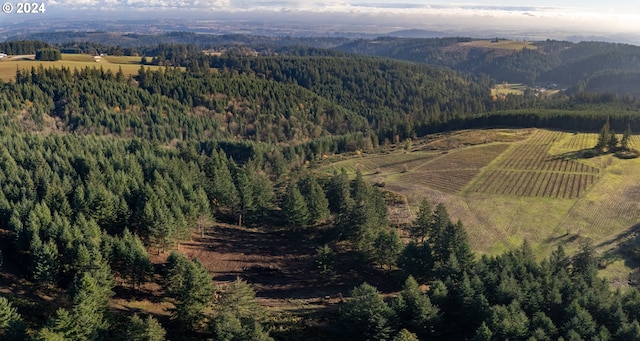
[129, 65]
[540, 191]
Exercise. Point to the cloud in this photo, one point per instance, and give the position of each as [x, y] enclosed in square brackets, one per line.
[414, 13]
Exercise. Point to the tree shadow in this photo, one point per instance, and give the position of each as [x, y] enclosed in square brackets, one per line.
[586, 153]
[625, 247]
[281, 264]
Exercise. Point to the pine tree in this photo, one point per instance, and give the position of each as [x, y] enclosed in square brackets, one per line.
[45, 264]
[612, 144]
[11, 324]
[238, 315]
[325, 260]
[294, 208]
[316, 200]
[190, 284]
[149, 329]
[339, 194]
[624, 142]
[423, 223]
[387, 247]
[483, 333]
[604, 137]
[366, 316]
[416, 311]
[405, 335]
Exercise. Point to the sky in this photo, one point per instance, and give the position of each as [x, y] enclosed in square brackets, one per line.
[622, 16]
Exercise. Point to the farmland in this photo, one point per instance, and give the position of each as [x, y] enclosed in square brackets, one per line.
[528, 169]
[128, 65]
[535, 186]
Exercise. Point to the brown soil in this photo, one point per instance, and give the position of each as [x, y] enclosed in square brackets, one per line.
[280, 266]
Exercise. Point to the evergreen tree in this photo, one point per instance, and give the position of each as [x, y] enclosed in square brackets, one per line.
[244, 187]
[365, 316]
[294, 208]
[11, 324]
[605, 136]
[131, 259]
[405, 335]
[415, 310]
[314, 196]
[629, 331]
[238, 315]
[86, 320]
[423, 223]
[624, 142]
[417, 259]
[612, 144]
[339, 194]
[190, 284]
[325, 260]
[45, 265]
[387, 247]
[149, 329]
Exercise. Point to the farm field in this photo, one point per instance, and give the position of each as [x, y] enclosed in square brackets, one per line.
[535, 188]
[129, 65]
[528, 169]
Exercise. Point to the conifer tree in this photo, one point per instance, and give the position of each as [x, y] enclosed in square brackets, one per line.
[45, 265]
[405, 335]
[294, 208]
[387, 247]
[316, 200]
[339, 194]
[624, 142]
[190, 284]
[612, 144]
[148, 329]
[422, 225]
[238, 315]
[366, 316]
[11, 324]
[605, 136]
[415, 310]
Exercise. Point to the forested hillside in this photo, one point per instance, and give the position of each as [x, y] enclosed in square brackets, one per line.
[106, 179]
[535, 63]
[560, 63]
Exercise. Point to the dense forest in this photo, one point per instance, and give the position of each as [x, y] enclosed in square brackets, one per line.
[535, 63]
[103, 174]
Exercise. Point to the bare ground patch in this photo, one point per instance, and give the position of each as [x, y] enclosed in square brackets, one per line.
[279, 265]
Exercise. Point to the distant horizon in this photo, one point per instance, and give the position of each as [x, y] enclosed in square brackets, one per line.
[545, 19]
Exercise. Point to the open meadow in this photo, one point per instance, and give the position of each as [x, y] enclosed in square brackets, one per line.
[129, 65]
[533, 186]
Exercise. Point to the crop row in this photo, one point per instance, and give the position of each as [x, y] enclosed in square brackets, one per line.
[535, 157]
[545, 137]
[538, 184]
[393, 163]
[581, 141]
[451, 172]
[448, 181]
[477, 157]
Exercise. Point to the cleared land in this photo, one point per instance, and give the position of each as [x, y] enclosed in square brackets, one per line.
[531, 184]
[129, 65]
[500, 44]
